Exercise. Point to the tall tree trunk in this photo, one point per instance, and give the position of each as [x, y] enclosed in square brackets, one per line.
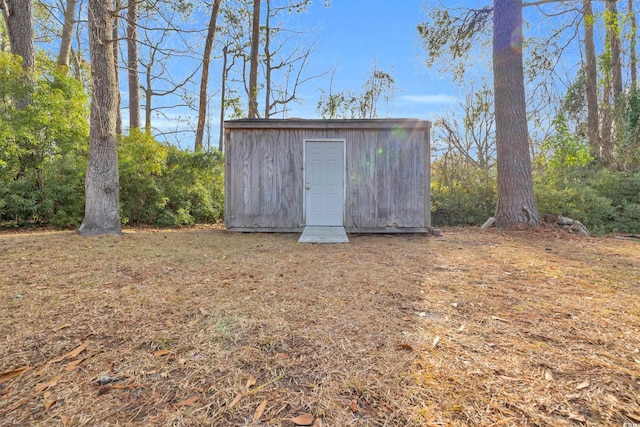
[116, 55]
[18, 15]
[223, 95]
[253, 66]
[267, 59]
[633, 56]
[132, 65]
[616, 46]
[516, 205]
[102, 188]
[612, 88]
[67, 33]
[591, 70]
[204, 81]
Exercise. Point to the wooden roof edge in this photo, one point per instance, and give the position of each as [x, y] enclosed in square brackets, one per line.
[327, 123]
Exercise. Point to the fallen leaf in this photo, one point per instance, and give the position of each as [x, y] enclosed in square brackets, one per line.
[317, 422]
[404, 347]
[259, 411]
[58, 328]
[65, 420]
[406, 319]
[548, 375]
[49, 403]
[74, 364]
[203, 311]
[235, 401]
[161, 352]
[40, 387]
[303, 420]
[436, 340]
[126, 386]
[169, 324]
[74, 353]
[251, 382]
[12, 374]
[583, 384]
[42, 369]
[354, 406]
[186, 402]
[500, 319]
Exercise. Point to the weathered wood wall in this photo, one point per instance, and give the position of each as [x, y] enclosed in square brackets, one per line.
[387, 173]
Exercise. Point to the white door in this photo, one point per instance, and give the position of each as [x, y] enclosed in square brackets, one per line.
[324, 183]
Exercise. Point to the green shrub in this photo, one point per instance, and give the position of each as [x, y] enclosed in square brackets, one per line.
[63, 189]
[194, 187]
[42, 146]
[604, 201]
[165, 186]
[141, 163]
[461, 193]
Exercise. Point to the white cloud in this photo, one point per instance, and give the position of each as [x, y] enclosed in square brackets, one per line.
[430, 99]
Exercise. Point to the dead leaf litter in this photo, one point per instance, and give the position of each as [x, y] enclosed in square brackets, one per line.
[202, 327]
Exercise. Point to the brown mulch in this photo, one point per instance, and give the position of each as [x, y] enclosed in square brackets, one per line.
[203, 327]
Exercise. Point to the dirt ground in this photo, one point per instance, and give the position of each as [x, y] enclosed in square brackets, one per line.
[203, 327]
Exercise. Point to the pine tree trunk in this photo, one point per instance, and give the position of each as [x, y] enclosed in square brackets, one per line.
[516, 205]
[591, 69]
[223, 95]
[612, 88]
[132, 65]
[116, 55]
[267, 60]
[616, 46]
[18, 16]
[102, 189]
[253, 65]
[204, 81]
[633, 56]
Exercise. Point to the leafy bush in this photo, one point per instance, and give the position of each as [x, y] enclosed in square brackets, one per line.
[165, 186]
[141, 163]
[194, 187]
[604, 201]
[461, 193]
[623, 191]
[42, 145]
[44, 155]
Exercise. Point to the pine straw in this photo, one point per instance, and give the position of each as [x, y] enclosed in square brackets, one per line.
[199, 327]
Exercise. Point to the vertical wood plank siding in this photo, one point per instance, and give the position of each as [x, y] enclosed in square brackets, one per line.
[387, 172]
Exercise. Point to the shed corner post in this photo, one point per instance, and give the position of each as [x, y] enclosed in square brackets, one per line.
[427, 187]
[227, 175]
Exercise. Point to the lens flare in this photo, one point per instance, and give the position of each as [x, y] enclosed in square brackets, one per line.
[516, 40]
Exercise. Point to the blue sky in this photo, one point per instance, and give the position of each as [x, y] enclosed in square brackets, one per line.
[351, 37]
[355, 35]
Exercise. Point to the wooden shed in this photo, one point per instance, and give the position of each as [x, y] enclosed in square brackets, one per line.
[368, 176]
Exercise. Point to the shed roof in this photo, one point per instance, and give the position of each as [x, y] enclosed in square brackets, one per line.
[327, 124]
